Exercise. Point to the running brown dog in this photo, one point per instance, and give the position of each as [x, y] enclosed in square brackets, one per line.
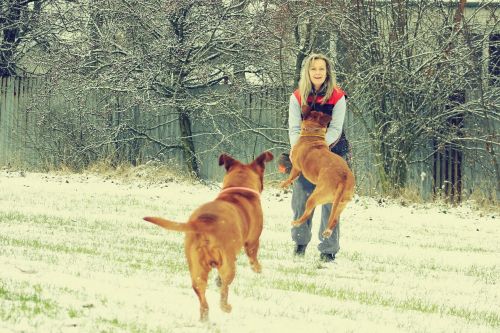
[328, 171]
[217, 230]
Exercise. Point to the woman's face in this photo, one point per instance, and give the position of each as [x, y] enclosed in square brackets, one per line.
[317, 73]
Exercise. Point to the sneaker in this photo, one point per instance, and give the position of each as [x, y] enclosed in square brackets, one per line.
[300, 250]
[327, 257]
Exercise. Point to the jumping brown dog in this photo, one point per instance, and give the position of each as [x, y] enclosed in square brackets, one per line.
[217, 230]
[329, 172]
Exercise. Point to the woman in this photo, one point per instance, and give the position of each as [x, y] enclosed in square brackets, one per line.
[317, 90]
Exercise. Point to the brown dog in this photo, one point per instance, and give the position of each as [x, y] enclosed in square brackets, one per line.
[329, 172]
[217, 230]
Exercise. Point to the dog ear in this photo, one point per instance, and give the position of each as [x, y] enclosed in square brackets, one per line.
[316, 116]
[306, 110]
[324, 119]
[227, 160]
[264, 157]
[312, 115]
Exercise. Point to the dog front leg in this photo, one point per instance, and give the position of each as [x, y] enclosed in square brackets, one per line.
[251, 250]
[294, 173]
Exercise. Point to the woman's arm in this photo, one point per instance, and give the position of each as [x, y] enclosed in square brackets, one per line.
[294, 120]
[335, 128]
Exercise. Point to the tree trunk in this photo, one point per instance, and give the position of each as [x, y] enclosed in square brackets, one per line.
[303, 50]
[9, 21]
[188, 143]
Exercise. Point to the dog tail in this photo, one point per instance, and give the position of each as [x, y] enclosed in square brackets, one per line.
[203, 223]
[170, 225]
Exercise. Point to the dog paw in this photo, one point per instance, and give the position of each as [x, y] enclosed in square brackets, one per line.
[226, 307]
[327, 233]
[257, 268]
[284, 184]
[204, 315]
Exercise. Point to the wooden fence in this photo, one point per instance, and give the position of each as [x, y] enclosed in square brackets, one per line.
[257, 125]
[15, 122]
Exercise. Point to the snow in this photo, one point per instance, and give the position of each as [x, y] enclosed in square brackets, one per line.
[75, 256]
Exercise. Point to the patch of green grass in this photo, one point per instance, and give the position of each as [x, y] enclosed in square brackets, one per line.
[487, 274]
[74, 313]
[132, 327]
[452, 246]
[296, 270]
[55, 223]
[486, 317]
[26, 301]
[374, 298]
[352, 255]
[35, 244]
[41, 219]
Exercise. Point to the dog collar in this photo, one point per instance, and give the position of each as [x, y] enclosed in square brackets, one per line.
[319, 135]
[228, 189]
[312, 128]
[312, 131]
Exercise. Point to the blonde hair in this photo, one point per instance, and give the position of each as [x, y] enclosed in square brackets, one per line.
[305, 85]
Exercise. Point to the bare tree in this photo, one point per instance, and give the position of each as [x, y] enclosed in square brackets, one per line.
[159, 57]
[125, 70]
[20, 27]
[405, 62]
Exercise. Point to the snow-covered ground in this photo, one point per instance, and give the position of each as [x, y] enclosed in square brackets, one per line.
[76, 256]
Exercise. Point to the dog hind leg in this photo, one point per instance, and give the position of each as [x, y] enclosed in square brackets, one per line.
[226, 273]
[199, 278]
[317, 197]
[338, 206]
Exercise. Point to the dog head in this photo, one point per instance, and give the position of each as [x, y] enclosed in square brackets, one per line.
[315, 119]
[245, 175]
